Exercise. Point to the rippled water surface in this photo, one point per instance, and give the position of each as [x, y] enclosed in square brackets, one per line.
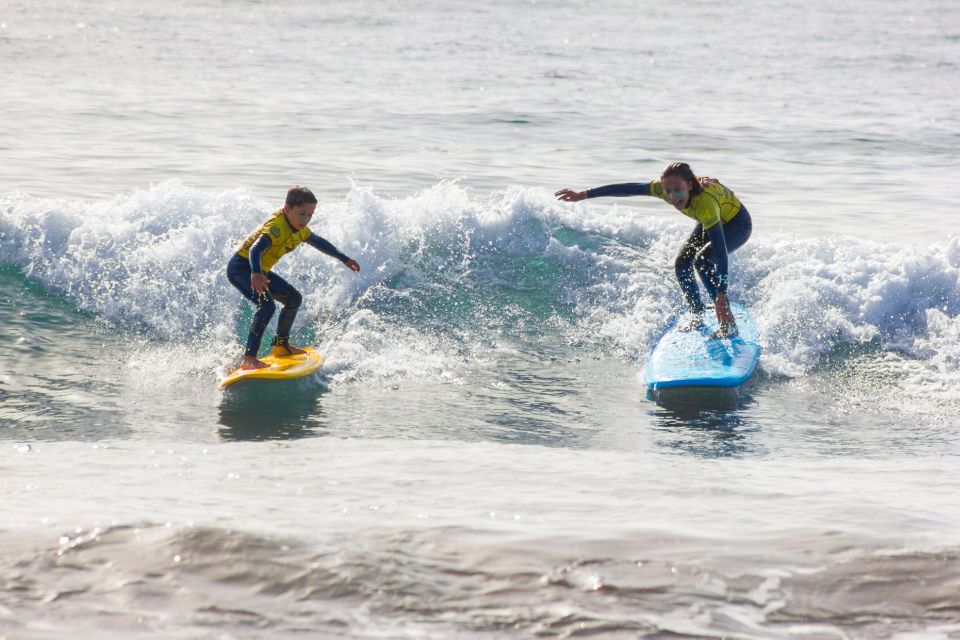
[477, 458]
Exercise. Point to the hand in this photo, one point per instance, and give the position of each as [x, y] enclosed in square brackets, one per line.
[706, 182]
[259, 282]
[567, 195]
[352, 265]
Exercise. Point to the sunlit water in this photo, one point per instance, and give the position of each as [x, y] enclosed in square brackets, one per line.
[477, 458]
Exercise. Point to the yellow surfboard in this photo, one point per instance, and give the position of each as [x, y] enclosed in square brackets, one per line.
[281, 368]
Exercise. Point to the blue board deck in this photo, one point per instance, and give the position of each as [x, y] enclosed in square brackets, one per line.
[694, 359]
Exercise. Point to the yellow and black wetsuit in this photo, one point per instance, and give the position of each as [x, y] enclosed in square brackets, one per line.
[723, 226]
[282, 240]
[259, 253]
[714, 204]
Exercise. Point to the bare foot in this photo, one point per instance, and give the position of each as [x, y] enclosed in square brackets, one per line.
[280, 350]
[693, 324]
[726, 330]
[249, 362]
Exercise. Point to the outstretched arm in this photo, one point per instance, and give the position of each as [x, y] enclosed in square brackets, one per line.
[622, 190]
[324, 246]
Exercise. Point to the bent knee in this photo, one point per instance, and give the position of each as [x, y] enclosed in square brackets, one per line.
[293, 301]
[266, 307]
[683, 264]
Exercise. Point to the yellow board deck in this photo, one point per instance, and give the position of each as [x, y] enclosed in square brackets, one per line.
[281, 368]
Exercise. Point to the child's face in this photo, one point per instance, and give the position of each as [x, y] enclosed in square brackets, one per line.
[677, 191]
[300, 215]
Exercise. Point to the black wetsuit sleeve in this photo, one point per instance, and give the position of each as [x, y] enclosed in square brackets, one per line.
[256, 251]
[718, 249]
[620, 190]
[324, 246]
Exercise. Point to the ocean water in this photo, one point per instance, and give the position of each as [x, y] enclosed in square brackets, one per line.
[477, 458]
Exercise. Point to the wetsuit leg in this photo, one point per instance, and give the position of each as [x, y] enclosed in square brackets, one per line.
[736, 232]
[290, 298]
[684, 267]
[238, 272]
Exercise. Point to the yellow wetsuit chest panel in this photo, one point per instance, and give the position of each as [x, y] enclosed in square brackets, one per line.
[716, 203]
[283, 240]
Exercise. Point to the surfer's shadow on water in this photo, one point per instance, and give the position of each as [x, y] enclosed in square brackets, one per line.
[273, 411]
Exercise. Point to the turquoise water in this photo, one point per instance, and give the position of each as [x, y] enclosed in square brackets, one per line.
[477, 458]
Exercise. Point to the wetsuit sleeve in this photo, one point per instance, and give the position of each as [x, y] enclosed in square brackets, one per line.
[620, 190]
[718, 249]
[256, 251]
[324, 246]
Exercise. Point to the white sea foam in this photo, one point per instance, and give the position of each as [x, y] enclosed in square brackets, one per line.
[476, 459]
[156, 258]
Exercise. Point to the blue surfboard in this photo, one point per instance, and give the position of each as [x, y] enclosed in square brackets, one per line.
[695, 360]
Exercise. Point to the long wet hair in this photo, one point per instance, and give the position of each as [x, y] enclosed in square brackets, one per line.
[299, 195]
[683, 170]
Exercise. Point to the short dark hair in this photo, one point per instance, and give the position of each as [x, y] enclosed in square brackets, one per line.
[300, 195]
[683, 170]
